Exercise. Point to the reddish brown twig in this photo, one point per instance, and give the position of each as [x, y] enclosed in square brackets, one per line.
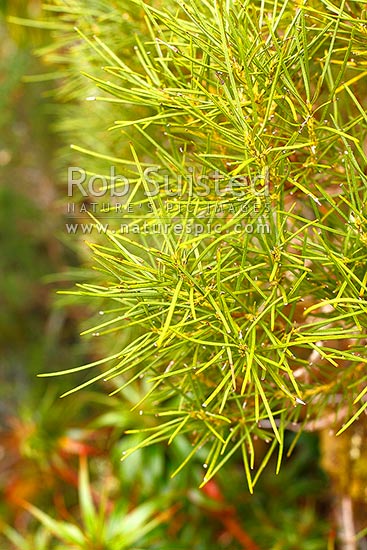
[227, 515]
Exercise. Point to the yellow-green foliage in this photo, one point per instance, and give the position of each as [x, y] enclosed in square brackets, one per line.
[242, 304]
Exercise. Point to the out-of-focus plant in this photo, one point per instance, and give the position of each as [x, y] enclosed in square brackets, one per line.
[101, 528]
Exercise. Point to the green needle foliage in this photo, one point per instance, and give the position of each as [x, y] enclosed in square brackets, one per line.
[236, 282]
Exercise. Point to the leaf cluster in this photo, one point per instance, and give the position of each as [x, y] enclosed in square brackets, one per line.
[244, 309]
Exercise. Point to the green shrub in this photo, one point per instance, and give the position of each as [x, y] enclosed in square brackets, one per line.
[237, 291]
[230, 279]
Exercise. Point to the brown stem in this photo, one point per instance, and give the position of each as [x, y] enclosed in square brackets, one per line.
[227, 515]
[346, 524]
